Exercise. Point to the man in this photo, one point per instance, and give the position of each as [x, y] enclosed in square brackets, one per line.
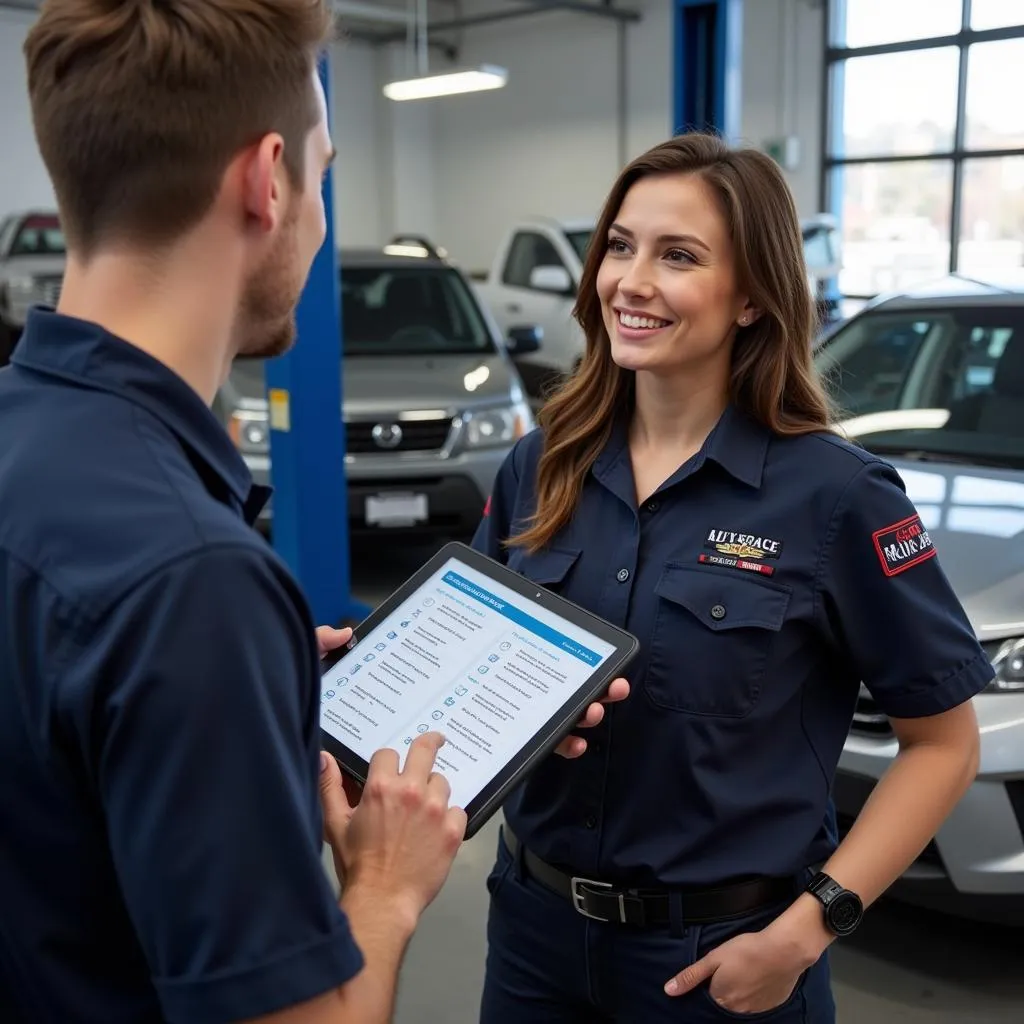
[160, 814]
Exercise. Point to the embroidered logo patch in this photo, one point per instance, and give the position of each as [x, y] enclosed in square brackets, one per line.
[743, 545]
[902, 545]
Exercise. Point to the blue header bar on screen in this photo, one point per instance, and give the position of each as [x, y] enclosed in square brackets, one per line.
[560, 640]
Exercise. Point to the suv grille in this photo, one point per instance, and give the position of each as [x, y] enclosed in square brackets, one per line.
[416, 436]
[46, 290]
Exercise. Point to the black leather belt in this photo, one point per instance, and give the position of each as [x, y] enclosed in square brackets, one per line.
[644, 908]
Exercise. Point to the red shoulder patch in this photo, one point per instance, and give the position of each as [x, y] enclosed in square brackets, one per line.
[903, 545]
[487, 507]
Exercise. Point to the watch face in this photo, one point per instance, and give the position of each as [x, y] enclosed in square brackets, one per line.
[844, 913]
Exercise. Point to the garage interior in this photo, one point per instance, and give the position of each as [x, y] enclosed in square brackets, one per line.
[899, 127]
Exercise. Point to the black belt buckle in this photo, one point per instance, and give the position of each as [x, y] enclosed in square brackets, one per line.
[579, 899]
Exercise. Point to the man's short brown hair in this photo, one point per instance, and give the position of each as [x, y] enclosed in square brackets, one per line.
[140, 105]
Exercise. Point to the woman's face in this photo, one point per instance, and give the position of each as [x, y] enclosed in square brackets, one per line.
[667, 282]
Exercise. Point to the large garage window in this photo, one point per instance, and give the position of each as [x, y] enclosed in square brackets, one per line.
[924, 162]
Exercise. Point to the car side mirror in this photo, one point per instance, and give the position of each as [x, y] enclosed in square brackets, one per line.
[523, 340]
[551, 279]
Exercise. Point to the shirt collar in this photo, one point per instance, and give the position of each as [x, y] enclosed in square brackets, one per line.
[737, 443]
[83, 353]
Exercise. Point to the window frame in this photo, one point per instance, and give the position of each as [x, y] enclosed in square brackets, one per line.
[831, 197]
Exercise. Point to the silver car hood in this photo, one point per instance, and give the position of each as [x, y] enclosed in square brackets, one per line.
[386, 385]
[975, 516]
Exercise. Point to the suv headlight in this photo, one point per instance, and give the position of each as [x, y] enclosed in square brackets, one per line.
[494, 427]
[250, 430]
[1009, 666]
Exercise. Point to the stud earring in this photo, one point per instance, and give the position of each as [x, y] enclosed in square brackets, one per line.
[743, 321]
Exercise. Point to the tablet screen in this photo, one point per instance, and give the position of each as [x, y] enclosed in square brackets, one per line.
[465, 656]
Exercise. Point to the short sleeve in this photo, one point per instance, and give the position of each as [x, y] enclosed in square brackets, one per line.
[206, 766]
[889, 604]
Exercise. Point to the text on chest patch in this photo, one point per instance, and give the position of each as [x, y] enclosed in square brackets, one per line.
[743, 545]
[902, 545]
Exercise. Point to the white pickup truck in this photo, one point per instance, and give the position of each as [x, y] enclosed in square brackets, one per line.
[536, 272]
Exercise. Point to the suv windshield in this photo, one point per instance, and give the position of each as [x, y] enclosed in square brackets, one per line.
[411, 310]
[940, 384]
[39, 236]
[579, 240]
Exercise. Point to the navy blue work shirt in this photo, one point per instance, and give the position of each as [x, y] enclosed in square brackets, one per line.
[764, 580]
[160, 827]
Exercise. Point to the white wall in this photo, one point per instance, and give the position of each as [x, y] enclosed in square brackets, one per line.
[549, 142]
[23, 179]
[460, 169]
[782, 84]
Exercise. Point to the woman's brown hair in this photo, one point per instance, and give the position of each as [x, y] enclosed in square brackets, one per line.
[773, 378]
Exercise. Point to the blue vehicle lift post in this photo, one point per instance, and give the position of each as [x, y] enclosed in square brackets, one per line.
[708, 56]
[307, 438]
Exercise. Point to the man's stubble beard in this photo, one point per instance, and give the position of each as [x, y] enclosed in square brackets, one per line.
[267, 315]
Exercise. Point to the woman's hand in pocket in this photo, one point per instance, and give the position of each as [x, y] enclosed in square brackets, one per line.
[751, 973]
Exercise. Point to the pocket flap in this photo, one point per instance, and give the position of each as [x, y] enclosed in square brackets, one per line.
[547, 566]
[722, 601]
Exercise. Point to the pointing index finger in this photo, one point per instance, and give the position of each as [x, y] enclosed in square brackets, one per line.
[422, 753]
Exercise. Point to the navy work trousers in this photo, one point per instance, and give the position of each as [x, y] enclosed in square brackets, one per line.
[547, 964]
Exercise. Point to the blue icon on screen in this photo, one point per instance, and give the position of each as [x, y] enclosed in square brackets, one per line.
[408, 740]
[370, 657]
[422, 728]
[483, 670]
[392, 635]
[356, 668]
[506, 646]
[428, 603]
[450, 701]
[461, 690]
[405, 625]
[381, 647]
[437, 716]
[342, 681]
[416, 613]
[493, 658]
[329, 694]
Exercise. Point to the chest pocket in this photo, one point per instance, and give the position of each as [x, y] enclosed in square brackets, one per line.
[547, 567]
[713, 634]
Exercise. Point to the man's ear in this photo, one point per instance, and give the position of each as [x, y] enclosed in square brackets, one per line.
[261, 183]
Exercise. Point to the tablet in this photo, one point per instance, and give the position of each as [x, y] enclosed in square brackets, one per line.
[469, 648]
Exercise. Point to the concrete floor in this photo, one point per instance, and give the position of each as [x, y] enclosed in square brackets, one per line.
[904, 966]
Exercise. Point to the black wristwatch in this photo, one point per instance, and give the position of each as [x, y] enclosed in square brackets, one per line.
[843, 908]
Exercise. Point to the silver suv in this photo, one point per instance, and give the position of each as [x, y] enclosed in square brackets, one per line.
[432, 402]
[32, 256]
[932, 380]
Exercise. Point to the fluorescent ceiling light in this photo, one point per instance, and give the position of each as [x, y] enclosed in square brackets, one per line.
[486, 76]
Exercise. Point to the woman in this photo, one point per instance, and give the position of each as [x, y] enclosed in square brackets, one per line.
[686, 485]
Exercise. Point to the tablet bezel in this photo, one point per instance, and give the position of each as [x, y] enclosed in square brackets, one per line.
[554, 730]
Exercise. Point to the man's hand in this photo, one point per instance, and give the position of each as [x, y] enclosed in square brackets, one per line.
[399, 843]
[752, 973]
[328, 638]
[574, 746]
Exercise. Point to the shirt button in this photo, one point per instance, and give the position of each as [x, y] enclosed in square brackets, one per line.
[591, 822]
[718, 611]
[653, 506]
[623, 575]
